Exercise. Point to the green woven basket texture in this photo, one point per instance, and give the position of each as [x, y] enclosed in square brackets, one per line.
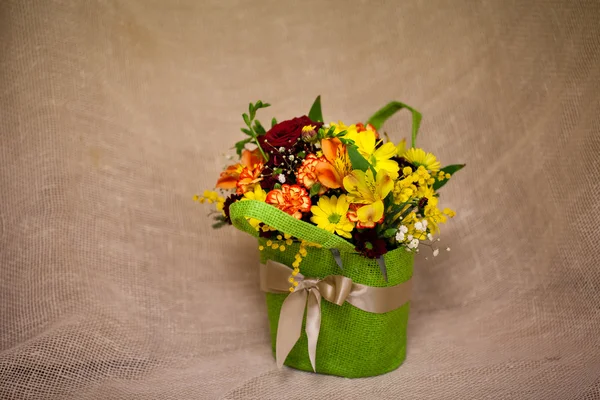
[352, 343]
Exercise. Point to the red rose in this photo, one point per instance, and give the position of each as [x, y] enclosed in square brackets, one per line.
[285, 134]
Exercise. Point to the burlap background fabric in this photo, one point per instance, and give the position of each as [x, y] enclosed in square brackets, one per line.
[113, 114]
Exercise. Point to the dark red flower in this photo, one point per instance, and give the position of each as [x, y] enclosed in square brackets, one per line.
[285, 134]
[369, 244]
[228, 202]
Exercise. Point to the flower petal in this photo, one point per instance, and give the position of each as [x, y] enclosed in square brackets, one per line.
[328, 175]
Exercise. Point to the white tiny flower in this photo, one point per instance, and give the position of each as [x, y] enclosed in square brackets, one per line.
[424, 222]
[430, 236]
[414, 243]
[436, 252]
[229, 156]
[281, 178]
[281, 149]
[439, 239]
[409, 237]
[291, 157]
[403, 229]
[419, 226]
[400, 236]
[447, 248]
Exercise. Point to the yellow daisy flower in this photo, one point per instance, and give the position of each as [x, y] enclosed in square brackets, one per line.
[330, 214]
[255, 193]
[419, 157]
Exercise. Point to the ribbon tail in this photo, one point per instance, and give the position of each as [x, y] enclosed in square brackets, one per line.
[289, 327]
[313, 325]
[337, 257]
[382, 267]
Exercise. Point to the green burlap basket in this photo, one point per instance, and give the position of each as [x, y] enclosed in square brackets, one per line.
[352, 343]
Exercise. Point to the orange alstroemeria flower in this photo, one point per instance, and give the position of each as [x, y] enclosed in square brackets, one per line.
[331, 173]
[292, 199]
[230, 176]
[248, 177]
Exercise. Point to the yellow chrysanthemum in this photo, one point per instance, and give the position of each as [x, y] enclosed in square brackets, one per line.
[419, 157]
[330, 214]
[256, 193]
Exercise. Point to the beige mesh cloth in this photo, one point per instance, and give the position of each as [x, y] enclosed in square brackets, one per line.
[113, 114]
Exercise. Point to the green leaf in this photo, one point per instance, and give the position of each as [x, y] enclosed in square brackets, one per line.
[392, 108]
[301, 154]
[220, 222]
[347, 142]
[395, 212]
[260, 104]
[315, 189]
[450, 169]
[357, 160]
[277, 186]
[247, 131]
[218, 225]
[252, 111]
[315, 112]
[273, 122]
[258, 128]
[239, 146]
[246, 120]
[391, 232]
[277, 171]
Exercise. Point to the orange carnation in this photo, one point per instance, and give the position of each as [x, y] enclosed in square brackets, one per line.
[306, 175]
[248, 177]
[292, 199]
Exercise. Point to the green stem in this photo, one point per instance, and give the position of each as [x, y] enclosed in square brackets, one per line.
[260, 148]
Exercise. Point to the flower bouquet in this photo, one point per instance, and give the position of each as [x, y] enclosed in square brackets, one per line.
[339, 212]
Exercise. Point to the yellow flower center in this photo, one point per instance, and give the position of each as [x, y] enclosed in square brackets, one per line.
[334, 218]
[308, 128]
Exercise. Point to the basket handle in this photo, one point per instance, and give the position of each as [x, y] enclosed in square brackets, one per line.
[273, 217]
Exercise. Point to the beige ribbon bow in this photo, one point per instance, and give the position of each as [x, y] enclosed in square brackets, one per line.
[336, 289]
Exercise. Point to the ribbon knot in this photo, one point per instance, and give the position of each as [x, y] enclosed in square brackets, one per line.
[307, 296]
